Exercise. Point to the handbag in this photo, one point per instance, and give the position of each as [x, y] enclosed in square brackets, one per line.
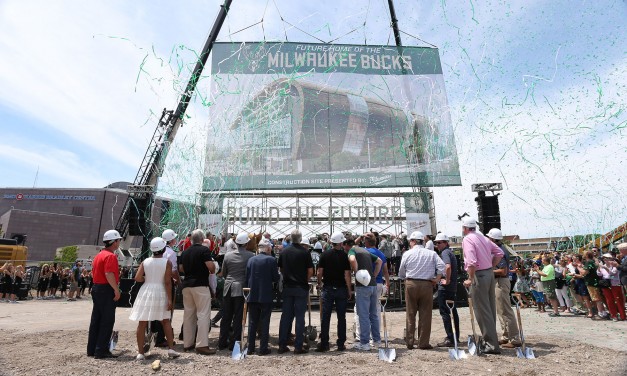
[605, 283]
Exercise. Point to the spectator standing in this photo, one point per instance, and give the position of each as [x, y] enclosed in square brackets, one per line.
[105, 294]
[589, 272]
[561, 289]
[335, 280]
[547, 276]
[169, 236]
[447, 290]
[154, 299]
[480, 257]
[621, 265]
[261, 272]
[366, 298]
[296, 268]
[234, 274]
[382, 279]
[610, 287]
[421, 269]
[197, 264]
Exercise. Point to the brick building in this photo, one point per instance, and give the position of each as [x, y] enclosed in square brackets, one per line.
[57, 217]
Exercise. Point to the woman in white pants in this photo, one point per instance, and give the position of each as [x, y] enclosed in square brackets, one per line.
[561, 289]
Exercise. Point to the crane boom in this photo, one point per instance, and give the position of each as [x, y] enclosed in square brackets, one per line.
[144, 186]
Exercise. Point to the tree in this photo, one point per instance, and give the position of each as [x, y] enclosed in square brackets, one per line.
[68, 255]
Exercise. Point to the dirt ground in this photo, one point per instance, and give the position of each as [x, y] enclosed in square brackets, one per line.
[49, 338]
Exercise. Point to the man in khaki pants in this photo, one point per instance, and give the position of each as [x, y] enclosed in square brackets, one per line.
[421, 269]
[504, 309]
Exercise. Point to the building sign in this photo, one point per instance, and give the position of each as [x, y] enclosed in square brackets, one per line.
[313, 215]
[303, 115]
[20, 196]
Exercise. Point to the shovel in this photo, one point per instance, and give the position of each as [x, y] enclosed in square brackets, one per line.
[310, 331]
[239, 350]
[148, 336]
[523, 351]
[114, 340]
[388, 354]
[473, 341]
[456, 353]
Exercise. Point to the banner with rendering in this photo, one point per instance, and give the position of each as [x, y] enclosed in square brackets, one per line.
[301, 115]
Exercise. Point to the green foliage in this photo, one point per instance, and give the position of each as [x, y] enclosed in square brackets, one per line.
[68, 255]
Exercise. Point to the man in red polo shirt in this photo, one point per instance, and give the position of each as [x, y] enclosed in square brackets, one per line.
[105, 293]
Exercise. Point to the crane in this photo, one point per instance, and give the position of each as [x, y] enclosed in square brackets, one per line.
[141, 193]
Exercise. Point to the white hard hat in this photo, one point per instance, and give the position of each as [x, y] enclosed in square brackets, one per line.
[362, 276]
[441, 237]
[111, 235]
[495, 234]
[318, 245]
[168, 235]
[337, 238]
[242, 238]
[157, 244]
[416, 235]
[469, 222]
[305, 242]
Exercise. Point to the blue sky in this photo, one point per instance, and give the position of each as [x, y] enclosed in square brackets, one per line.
[536, 91]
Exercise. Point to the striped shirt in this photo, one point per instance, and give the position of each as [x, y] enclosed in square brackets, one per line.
[420, 263]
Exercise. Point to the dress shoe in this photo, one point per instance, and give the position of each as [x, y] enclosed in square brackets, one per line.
[426, 347]
[507, 345]
[446, 343]
[250, 352]
[322, 348]
[300, 351]
[191, 348]
[503, 341]
[283, 350]
[162, 344]
[264, 352]
[205, 350]
[106, 355]
[341, 348]
[411, 347]
[491, 351]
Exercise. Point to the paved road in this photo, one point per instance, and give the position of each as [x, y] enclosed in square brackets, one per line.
[40, 316]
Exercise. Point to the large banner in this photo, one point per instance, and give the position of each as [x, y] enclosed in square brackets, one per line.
[300, 115]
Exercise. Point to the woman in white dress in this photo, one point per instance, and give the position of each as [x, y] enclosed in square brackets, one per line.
[154, 299]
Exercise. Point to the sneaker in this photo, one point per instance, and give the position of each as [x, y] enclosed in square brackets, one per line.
[376, 344]
[508, 345]
[359, 347]
[140, 357]
[552, 314]
[173, 354]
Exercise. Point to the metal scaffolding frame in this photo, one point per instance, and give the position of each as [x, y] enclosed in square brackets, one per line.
[312, 212]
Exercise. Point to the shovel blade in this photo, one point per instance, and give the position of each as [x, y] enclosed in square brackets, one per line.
[388, 355]
[457, 354]
[529, 353]
[238, 354]
[472, 346]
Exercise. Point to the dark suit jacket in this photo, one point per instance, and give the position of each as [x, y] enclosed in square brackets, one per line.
[261, 272]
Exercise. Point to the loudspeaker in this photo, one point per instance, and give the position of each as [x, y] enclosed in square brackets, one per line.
[137, 217]
[488, 212]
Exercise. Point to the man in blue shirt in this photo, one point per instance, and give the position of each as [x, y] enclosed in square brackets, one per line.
[370, 243]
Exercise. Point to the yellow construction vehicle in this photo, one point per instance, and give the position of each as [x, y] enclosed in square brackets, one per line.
[606, 239]
[11, 252]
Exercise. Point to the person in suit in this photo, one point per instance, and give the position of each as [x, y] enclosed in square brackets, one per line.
[261, 272]
[234, 274]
